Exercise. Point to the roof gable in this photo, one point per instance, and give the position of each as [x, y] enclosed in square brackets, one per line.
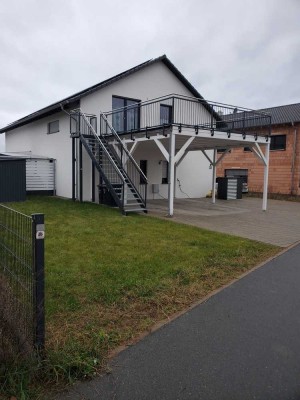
[73, 100]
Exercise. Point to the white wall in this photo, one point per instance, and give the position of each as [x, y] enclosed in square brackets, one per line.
[193, 172]
[33, 137]
[153, 81]
[149, 83]
[2, 142]
[194, 175]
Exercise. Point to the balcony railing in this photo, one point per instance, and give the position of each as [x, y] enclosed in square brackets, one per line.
[183, 111]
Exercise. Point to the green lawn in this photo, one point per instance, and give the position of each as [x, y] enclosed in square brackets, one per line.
[110, 277]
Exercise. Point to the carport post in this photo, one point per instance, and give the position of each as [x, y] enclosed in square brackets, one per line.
[266, 176]
[171, 174]
[213, 191]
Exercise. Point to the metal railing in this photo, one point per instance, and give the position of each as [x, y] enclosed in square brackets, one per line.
[21, 283]
[120, 172]
[189, 112]
[133, 171]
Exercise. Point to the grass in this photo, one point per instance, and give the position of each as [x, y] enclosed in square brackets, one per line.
[110, 277]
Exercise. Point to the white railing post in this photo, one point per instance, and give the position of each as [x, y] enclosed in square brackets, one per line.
[171, 174]
[266, 176]
[213, 191]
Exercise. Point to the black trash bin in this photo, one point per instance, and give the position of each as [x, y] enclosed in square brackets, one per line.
[105, 196]
[230, 188]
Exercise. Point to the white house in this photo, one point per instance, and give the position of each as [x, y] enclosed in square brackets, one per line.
[145, 125]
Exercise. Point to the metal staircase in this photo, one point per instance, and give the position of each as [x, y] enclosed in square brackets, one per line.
[121, 175]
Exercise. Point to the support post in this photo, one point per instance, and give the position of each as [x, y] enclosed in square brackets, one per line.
[171, 174]
[213, 191]
[266, 176]
[100, 186]
[80, 171]
[73, 169]
[93, 182]
[38, 234]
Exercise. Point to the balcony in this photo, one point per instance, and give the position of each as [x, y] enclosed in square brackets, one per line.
[161, 114]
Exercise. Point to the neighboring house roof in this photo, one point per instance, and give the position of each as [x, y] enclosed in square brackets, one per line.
[284, 114]
[71, 100]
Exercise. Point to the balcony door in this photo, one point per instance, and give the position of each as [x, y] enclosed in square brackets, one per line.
[128, 119]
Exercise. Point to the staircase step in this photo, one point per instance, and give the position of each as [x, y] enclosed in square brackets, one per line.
[135, 210]
[108, 163]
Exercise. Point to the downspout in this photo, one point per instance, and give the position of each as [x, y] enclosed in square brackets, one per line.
[293, 158]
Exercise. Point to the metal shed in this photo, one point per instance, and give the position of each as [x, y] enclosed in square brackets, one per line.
[40, 172]
[12, 179]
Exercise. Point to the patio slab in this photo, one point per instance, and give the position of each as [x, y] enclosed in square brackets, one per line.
[279, 225]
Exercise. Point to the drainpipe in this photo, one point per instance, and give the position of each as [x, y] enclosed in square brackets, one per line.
[293, 158]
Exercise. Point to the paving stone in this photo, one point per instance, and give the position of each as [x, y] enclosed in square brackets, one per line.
[279, 225]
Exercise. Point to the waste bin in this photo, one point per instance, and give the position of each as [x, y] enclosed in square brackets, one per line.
[105, 196]
[230, 188]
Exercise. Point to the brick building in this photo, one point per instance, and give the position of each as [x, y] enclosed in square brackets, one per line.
[284, 162]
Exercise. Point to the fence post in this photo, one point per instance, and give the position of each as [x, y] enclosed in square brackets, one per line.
[38, 235]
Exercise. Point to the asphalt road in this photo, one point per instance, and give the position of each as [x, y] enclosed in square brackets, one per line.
[243, 343]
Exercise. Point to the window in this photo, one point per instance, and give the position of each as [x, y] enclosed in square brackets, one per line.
[237, 173]
[53, 127]
[143, 166]
[278, 142]
[128, 119]
[165, 114]
[247, 149]
[164, 171]
[93, 122]
[223, 149]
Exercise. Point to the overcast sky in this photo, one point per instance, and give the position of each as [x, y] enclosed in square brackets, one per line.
[241, 52]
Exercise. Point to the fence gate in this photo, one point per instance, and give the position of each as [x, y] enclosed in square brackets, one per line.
[22, 320]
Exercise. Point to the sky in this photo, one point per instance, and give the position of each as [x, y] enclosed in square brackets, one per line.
[240, 52]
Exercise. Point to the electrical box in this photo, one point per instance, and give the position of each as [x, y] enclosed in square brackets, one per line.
[155, 188]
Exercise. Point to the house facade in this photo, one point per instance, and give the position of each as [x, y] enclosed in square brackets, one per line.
[284, 161]
[144, 133]
[49, 135]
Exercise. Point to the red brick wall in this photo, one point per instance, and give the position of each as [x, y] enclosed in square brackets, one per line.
[280, 165]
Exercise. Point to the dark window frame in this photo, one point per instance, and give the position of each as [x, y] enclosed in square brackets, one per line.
[144, 168]
[166, 107]
[165, 179]
[138, 108]
[222, 150]
[274, 146]
[49, 131]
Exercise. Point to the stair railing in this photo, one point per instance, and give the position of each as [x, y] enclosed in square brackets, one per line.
[84, 130]
[92, 130]
[134, 172]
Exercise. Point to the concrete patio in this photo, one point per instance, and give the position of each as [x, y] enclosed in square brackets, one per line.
[279, 225]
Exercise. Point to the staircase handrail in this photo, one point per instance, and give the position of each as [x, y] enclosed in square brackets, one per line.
[117, 137]
[102, 146]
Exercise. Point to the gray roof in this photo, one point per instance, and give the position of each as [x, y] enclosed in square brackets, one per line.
[284, 114]
[72, 101]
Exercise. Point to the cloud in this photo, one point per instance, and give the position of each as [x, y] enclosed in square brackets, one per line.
[238, 52]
